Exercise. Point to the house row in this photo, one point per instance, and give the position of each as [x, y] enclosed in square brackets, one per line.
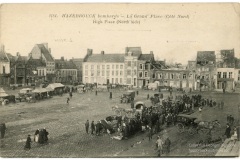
[36, 68]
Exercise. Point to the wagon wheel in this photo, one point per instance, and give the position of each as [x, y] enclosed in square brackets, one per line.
[180, 127]
[192, 130]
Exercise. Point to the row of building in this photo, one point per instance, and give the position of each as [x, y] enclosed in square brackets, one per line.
[210, 71]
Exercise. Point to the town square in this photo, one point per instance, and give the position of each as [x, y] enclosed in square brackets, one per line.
[159, 81]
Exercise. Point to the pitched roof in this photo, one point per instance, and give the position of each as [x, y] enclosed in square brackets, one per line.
[115, 58]
[36, 62]
[204, 57]
[146, 57]
[61, 64]
[136, 51]
[3, 57]
[45, 52]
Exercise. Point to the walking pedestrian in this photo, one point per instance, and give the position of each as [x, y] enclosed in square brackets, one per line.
[28, 143]
[41, 137]
[3, 129]
[92, 127]
[70, 94]
[68, 99]
[87, 126]
[36, 135]
[159, 144]
[45, 135]
[96, 92]
[228, 131]
[147, 96]
[167, 144]
[150, 130]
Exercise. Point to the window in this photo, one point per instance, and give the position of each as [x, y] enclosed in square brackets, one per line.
[141, 66]
[135, 63]
[129, 80]
[116, 80]
[121, 73]
[129, 72]
[153, 76]
[135, 72]
[92, 72]
[112, 80]
[166, 76]
[98, 73]
[112, 73]
[219, 74]
[120, 80]
[103, 73]
[92, 66]
[171, 76]
[184, 76]
[160, 75]
[116, 73]
[4, 69]
[108, 72]
[86, 79]
[121, 66]
[224, 74]
[103, 66]
[98, 66]
[140, 74]
[129, 63]
[86, 73]
[40, 72]
[230, 75]
[146, 66]
[117, 66]
[145, 74]
[113, 66]
[86, 66]
[108, 67]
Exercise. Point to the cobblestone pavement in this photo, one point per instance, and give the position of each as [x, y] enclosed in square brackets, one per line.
[65, 124]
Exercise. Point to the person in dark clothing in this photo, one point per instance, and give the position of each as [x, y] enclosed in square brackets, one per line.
[87, 126]
[92, 127]
[68, 99]
[167, 144]
[98, 128]
[96, 92]
[110, 96]
[28, 143]
[3, 129]
[45, 133]
[228, 131]
[150, 132]
[147, 96]
[70, 94]
[41, 137]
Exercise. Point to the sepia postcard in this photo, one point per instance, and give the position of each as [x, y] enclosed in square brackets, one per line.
[105, 80]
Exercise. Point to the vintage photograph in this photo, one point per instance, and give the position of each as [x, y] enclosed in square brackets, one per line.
[105, 80]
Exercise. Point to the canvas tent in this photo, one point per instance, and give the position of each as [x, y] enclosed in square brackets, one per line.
[3, 93]
[40, 90]
[55, 85]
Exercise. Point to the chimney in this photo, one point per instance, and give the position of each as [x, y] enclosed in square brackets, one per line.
[89, 52]
[45, 45]
[17, 54]
[62, 58]
[3, 48]
[102, 52]
[151, 52]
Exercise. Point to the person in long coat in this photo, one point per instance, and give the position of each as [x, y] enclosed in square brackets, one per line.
[87, 126]
[28, 143]
[92, 127]
[36, 135]
[228, 131]
[167, 144]
[41, 137]
[45, 133]
[3, 129]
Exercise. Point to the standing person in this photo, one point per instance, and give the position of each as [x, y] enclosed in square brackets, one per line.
[3, 129]
[96, 92]
[41, 137]
[228, 131]
[168, 144]
[147, 96]
[92, 127]
[28, 143]
[36, 135]
[68, 99]
[70, 94]
[87, 126]
[159, 144]
[45, 135]
[150, 130]
[110, 96]
[98, 128]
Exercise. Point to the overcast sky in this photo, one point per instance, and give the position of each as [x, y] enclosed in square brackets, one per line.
[206, 27]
